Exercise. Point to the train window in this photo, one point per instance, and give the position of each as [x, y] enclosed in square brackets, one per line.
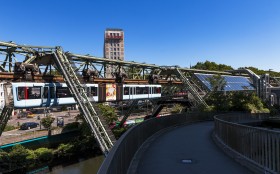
[145, 90]
[34, 92]
[46, 90]
[21, 93]
[126, 91]
[62, 92]
[138, 90]
[93, 91]
[158, 90]
[52, 93]
[29, 93]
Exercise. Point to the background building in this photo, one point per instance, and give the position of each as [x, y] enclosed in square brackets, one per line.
[2, 99]
[113, 46]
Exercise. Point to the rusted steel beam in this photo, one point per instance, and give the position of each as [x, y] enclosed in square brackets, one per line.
[10, 76]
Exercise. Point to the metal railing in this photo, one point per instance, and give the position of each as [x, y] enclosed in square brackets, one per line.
[258, 147]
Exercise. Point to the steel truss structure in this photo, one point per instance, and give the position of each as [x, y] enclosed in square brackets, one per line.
[43, 63]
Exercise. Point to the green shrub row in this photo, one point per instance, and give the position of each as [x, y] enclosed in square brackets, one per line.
[21, 157]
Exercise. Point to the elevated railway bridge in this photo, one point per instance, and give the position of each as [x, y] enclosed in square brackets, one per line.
[52, 64]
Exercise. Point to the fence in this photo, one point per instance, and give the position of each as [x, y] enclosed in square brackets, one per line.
[120, 156]
[258, 147]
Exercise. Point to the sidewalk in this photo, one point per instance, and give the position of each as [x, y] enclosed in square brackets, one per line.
[184, 150]
[16, 136]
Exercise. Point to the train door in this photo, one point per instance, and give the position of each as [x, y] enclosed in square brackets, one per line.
[45, 95]
[131, 92]
[134, 93]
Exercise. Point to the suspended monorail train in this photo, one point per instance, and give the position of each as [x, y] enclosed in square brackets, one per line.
[29, 95]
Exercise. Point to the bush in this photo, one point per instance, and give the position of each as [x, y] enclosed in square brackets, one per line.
[65, 150]
[177, 109]
[44, 154]
[4, 156]
[31, 157]
[18, 155]
[71, 126]
[119, 131]
[4, 159]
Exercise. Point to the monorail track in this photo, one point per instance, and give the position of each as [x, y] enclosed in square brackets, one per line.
[18, 77]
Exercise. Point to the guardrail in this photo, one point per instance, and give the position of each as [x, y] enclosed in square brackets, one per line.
[123, 151]
[258, 148]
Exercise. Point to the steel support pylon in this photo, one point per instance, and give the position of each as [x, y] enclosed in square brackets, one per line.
[105, 140]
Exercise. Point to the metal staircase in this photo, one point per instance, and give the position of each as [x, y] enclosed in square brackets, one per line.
[8, 108]
[4, 117]
[104, 136]
[189, 86]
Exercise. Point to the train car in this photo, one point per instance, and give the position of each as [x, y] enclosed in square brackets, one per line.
[131, 92]
[119, 92]
[29, 95]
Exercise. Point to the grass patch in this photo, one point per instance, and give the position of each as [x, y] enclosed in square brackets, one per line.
[9, 127]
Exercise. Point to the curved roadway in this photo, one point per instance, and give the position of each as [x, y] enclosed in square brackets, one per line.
[187, 149]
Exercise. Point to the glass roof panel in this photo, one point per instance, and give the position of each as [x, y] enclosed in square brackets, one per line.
[233, 83]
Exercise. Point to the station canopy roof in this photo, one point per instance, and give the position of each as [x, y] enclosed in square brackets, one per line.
[233, 83]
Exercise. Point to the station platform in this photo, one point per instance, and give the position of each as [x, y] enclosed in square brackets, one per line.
[187, 149]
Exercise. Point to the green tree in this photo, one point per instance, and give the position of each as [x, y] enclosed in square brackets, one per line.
[207, 65]
[53, 72]
[47, 122]
[217, 82]
[217, 98]
[108, 112]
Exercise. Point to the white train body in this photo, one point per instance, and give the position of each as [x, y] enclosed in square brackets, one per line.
[30, 95]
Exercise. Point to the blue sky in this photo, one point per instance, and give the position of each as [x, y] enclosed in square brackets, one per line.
[163, 32]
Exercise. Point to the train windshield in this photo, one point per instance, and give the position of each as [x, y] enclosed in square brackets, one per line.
[25, 93]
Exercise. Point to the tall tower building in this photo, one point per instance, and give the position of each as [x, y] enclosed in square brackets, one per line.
[113, 46]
